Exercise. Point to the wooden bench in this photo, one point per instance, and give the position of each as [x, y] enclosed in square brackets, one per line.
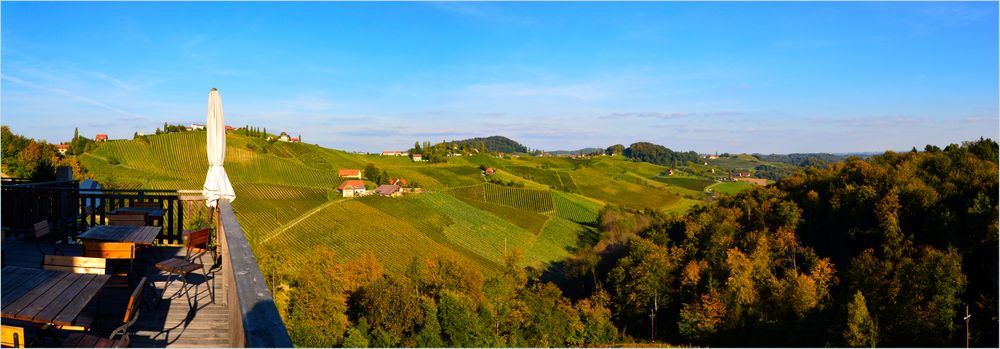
[147, 204]
[13, 336]
[74, 264]
[114, 251]
[130, 219]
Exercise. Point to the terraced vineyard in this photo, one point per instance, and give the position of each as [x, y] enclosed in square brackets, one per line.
[287, 202]
[575, 208]
[691, 183]
[525, 199]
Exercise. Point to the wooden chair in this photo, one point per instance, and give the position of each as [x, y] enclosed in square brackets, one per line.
[13, 336]
[135, 219]
[197, 245]
[82, 340]
[42, 233]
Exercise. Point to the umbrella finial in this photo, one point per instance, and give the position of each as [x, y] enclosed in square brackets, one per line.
[214, 89]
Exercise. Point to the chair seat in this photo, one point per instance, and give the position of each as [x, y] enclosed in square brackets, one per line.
[82, 340]
[178, 266]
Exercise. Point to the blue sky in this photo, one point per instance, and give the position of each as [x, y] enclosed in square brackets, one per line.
[727, 77]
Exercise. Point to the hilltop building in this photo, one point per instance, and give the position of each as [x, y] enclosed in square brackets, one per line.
[195, 127]
[63, 148]
[349, 173]
[395, 153]
[101, 137]
[352, 188]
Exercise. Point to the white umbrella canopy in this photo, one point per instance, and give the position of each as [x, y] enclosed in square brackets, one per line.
[217, 185]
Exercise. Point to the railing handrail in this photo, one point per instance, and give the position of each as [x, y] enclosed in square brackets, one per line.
[34, 184]
[253, 311]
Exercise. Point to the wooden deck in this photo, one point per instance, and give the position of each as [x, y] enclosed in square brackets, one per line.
[172, 323]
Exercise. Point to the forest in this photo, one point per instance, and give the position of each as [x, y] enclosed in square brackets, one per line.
[654, 154]
[886, 251]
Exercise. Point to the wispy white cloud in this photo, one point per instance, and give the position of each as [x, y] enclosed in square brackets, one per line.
[71, 96]
[667, 115]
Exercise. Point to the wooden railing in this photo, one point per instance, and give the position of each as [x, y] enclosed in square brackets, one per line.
[253, 316]
[72, 210]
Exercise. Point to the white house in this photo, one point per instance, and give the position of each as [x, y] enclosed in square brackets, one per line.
[352, 188]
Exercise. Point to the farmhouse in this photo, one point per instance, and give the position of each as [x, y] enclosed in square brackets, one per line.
[294, 140]
[284, 137]
[352, 188]
[101, 137]
[488, 171]
[398, 181]
[388, 190]
[349, 173]
[417, 157]
[63, 148]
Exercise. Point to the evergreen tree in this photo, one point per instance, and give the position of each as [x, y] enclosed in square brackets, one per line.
[861, 329]
[371, 172]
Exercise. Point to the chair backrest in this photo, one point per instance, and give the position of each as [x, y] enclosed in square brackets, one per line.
[132, 309]
[13, 336]
[198, 239]
[41, 229]
[147, 204]
[74, 264]
[130, 219]
[109, 250]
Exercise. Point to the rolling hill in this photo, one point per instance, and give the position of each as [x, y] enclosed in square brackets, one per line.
[287, 199]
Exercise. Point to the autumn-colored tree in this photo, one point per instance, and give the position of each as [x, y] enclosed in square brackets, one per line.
[861, 330]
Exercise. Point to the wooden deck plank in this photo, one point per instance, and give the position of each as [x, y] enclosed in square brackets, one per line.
[170, 324]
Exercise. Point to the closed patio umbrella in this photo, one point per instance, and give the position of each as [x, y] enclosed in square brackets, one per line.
[217, 185]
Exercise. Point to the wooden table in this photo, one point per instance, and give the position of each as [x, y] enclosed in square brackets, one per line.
[144, 235]
[47, 297]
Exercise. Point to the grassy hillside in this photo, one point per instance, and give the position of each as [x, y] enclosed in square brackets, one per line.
[287, 199]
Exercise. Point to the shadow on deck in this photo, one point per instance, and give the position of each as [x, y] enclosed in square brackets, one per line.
[173, 322]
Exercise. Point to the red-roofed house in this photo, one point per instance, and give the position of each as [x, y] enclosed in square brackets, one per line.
[63, 148]
[294, 140]
[352, 188]
[101, 137]
[398, 181]
[349, 173]
[229, 128]
[488, 171]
